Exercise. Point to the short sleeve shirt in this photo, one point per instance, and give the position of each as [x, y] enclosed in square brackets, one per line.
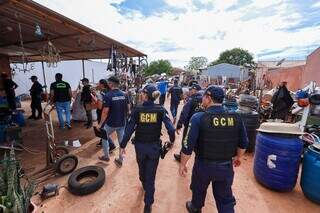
[117, 102]
[61, 91]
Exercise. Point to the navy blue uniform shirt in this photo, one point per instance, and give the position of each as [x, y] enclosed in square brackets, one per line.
[176, 94]
[194, 128]
[117, 102]
[188, 110]
[131, 126]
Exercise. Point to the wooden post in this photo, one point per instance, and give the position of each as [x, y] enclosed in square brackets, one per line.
[83, 71]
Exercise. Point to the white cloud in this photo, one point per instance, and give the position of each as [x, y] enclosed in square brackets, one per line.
[316, 5]
[184, 30]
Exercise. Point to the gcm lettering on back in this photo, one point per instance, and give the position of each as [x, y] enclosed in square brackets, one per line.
[222, 121]
[148, 117]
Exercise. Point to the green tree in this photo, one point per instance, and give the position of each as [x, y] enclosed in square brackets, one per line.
[236, 56]
[196, 63]
[158, 67]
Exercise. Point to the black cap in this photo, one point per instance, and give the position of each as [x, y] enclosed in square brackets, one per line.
[149, 89]
[216, 93]
[85, 80]
[114, 79]
[196, 87]
[34, 77]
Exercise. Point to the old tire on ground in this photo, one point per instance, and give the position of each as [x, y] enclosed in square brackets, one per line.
[86, 180]
[66, 164]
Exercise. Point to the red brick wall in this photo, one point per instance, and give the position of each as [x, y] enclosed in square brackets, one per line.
[312, 70]
[292, 75]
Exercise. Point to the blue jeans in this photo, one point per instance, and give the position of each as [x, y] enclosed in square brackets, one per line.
[110, 130]
[63, 107]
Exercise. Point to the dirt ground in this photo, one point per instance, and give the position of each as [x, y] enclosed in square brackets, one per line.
[122, 191]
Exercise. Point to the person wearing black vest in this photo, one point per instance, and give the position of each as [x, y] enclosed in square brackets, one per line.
[176, 96]
[146, 121]
[217, 137]
[35, 93]
[60, 96]
[192, 106]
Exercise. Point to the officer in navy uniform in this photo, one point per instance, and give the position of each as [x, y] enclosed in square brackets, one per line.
[146, 120]
[176, 96]
[192, 106]
[217, 137]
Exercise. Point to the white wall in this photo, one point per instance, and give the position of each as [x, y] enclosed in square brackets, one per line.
[71, 71]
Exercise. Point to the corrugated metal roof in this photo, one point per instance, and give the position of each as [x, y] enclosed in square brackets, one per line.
[73, 40]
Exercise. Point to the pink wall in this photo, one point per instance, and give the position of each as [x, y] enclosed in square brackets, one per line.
[312, 70]
[292, 75]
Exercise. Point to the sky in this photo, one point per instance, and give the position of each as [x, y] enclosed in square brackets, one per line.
[176, 30]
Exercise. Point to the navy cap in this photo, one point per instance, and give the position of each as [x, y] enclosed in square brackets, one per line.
[149, 89]
[85, 80]
[196, 87]
[216, 93]
[33, 77]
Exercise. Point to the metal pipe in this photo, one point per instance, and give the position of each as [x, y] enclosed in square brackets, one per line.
[44, 78]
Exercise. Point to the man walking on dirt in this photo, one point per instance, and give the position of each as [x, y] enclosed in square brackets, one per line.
[176, 96]
[113, 117]
[60, 95]
[219, 140]
[35, 93]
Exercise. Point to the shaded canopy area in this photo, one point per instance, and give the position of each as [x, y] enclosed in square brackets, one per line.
[27, 30]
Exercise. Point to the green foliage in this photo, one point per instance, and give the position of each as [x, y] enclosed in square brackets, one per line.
[236, 56]
[14, 197]
[158, 67]
[196, 63]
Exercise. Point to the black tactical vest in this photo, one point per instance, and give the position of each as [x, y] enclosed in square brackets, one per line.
[218, 136]
[149, 123]
[196, 105]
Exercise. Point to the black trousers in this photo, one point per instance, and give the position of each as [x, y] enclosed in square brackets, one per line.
[162, 99]
[11, 102]
[36, 106]
[88, 114]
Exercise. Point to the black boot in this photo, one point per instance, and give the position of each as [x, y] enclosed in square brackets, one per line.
[147, 209]
[191, 208]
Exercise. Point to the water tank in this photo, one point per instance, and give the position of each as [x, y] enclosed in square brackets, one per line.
[251, 122]
[276, 160]
[310, 177]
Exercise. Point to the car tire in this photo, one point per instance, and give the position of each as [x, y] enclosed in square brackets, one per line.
[78, 187]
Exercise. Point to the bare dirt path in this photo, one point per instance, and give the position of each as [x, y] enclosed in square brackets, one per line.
[122, 191]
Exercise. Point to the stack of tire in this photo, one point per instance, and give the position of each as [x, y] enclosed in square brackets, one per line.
[248, 105]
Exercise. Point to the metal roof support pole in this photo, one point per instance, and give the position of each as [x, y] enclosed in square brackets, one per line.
[83, 73]
[44, 78]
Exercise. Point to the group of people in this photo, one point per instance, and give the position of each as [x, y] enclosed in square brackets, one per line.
[217, 137]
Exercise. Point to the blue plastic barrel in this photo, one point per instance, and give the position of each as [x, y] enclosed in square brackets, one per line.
[276, 160]
[310, 177]
[18, 118]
